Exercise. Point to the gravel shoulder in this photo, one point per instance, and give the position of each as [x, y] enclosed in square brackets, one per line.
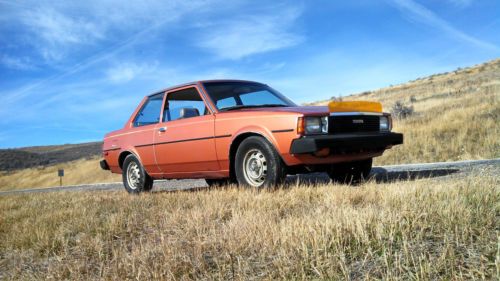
[439, 170]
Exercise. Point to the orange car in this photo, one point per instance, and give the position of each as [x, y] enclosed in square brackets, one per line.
[243, 132]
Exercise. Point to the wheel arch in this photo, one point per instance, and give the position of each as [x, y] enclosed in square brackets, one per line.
[237, 140]
[123, 155]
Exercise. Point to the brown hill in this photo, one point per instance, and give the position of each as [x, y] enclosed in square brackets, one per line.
[452, 116]
[28, 157]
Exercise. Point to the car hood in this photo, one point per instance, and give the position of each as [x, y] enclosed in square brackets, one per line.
[308, 110]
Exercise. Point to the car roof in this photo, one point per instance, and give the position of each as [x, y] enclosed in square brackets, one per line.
[200, 82]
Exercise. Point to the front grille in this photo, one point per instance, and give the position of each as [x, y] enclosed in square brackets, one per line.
[353, 124]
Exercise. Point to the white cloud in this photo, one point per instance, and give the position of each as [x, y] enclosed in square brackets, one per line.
[424, 15]
[17, 63]
[125, 72]
[236, 39]
[56, 31]
[137, 18]
[57, 28]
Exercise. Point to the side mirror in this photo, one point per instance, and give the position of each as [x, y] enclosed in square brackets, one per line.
[188, 112]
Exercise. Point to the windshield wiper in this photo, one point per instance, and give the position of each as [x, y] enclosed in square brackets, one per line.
[234, 107]
[272, 105]
[251, 106]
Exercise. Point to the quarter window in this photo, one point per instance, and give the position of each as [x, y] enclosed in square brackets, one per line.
[150, 112]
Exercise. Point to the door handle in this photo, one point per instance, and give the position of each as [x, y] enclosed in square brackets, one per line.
[162, 129]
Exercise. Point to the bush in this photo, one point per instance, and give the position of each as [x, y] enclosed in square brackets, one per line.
[401, 111]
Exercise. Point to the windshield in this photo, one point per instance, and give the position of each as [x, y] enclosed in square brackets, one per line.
[235, 95]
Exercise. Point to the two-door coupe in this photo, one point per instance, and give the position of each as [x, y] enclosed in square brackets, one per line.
[243, 132]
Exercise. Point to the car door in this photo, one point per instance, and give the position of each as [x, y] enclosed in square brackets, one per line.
[142, 129]
[184, 141]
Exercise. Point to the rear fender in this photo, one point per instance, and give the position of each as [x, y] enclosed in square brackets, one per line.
[130, 150]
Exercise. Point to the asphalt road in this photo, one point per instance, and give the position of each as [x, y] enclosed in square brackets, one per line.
[380, 174]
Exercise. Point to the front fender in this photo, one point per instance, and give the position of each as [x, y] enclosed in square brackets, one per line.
[281, 141]
[259, 130]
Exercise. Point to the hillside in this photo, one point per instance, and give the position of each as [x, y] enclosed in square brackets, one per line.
[455, 117]
[29, 157]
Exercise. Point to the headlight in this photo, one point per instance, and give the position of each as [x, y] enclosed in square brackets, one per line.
[316, 125]
[385, 123]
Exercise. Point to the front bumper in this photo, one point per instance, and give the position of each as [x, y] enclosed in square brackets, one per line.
[104, 165]
[346, 143]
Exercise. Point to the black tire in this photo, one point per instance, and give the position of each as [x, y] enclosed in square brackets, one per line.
[142, 183]
[351, 172]
[270, 170]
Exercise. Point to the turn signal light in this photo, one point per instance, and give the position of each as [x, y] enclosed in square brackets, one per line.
[355, 106]
[300, 126]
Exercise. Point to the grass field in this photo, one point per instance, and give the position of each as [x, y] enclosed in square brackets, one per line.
[430, 229]
[76, 172]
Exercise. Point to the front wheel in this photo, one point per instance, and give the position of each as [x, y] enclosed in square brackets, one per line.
[135, 178]
[351, 172]
[257, 164]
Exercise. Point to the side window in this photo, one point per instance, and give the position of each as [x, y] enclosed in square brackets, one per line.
[184, 104]
[150, 112]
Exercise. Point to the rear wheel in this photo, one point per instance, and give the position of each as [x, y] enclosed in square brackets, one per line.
[135, 178]
[351, 172]
[257, 164]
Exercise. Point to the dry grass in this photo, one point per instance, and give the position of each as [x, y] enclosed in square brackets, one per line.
[457, 116]
[76, 172]
[427, 229]
[453, 128]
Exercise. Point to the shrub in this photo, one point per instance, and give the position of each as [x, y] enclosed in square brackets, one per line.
[401, 111]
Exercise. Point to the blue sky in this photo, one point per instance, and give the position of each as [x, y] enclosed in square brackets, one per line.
[70, 71]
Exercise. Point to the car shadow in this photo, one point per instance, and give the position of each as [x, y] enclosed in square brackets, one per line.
[382, 175]
[378, 174]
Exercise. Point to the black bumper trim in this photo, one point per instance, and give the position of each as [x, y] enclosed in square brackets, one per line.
[345, 142]
[104, 165]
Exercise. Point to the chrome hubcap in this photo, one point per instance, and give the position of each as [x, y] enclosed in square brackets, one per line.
[133, 175]
[255, 167]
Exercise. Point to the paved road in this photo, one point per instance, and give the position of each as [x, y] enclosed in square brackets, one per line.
[381, 174]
